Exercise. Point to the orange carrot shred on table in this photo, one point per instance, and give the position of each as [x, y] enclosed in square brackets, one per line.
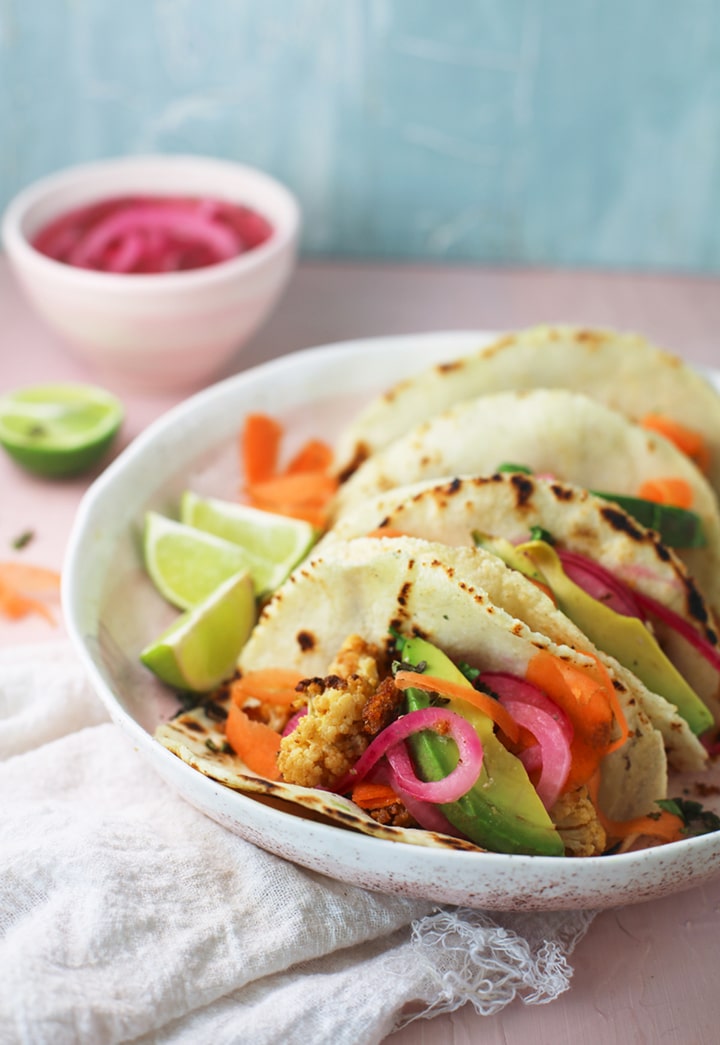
[260, 440]
[272, 685]
[254, 742]
[19, 581]
[691, 443]
[29, 578]
[669, 490]
[368, 795]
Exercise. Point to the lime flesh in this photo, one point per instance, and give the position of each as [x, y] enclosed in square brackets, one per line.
[276, 542]
[200, 649]
[185, 564]
[58, 430]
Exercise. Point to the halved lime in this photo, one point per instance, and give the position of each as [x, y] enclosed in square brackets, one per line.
[186, 564]
[200, 649]
[58, 430]
[276, 542]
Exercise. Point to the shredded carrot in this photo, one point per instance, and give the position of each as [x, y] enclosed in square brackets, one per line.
[259, 447]
[663, 824]
[317, 517]
[272, 685]
[686, 439]
[303, 490]
[19, 581]
[588, 698]
[255, 743]
[29, 578]
[373, 796]
[303, 495]
[488, 705]
[667, 490]
[385, 531]
[314, 456]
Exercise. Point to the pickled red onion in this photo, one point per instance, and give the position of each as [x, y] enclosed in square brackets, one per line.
[600, 583]
[594, 579]
[292, 722]
[555, 756]
[427, 814]
[457, 783]
[710, 652]
[144, 235]
[512, 688]
[547, 722]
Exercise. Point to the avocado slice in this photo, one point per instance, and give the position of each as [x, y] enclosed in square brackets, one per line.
[509, 554]
[502, 811]
[625, 638]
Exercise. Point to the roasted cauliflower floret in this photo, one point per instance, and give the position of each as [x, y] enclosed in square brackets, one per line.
[331, 737]
[577, 822]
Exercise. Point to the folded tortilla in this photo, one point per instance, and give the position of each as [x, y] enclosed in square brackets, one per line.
[469, 604]
[509, 506]
[555, 432]
[623, 371]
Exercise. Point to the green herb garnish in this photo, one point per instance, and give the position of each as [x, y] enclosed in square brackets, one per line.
[697, 819]
[538, 533]
[23, 539]
[508, 466]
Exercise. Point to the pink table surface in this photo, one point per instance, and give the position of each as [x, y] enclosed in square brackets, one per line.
[644, 973]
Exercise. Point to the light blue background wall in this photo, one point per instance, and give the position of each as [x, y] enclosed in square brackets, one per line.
[564, 132]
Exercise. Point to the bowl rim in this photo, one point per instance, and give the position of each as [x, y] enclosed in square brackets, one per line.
[285, 228]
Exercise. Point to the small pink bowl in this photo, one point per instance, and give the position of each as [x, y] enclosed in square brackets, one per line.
[157, 332]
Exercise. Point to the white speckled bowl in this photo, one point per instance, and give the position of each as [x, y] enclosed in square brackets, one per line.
[160, 332]
[112, 610]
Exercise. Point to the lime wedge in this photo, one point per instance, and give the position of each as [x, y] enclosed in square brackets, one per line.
[276, 542]
[199, 650]
[60, 429]
[186, 564]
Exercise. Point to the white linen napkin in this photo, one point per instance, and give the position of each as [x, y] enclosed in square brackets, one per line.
[126, 915]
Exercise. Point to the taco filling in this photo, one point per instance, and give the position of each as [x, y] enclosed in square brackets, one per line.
[511, 764]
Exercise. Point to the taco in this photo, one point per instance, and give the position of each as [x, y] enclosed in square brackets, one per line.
[623, 371]
[625, 573]
[555, 432]
[373, 629]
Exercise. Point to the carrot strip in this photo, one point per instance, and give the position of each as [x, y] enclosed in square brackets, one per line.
[373, 796]
[313, 456]
[686, 439]
[259, 447]
[20, 580]
[488, 705]
[588, 698]
[663, 824]
[255, 743]
[385, 532]
[29, 578]
[272, 685]
[15, 605]
[306, 488]
[316, 516]
[667, 490]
